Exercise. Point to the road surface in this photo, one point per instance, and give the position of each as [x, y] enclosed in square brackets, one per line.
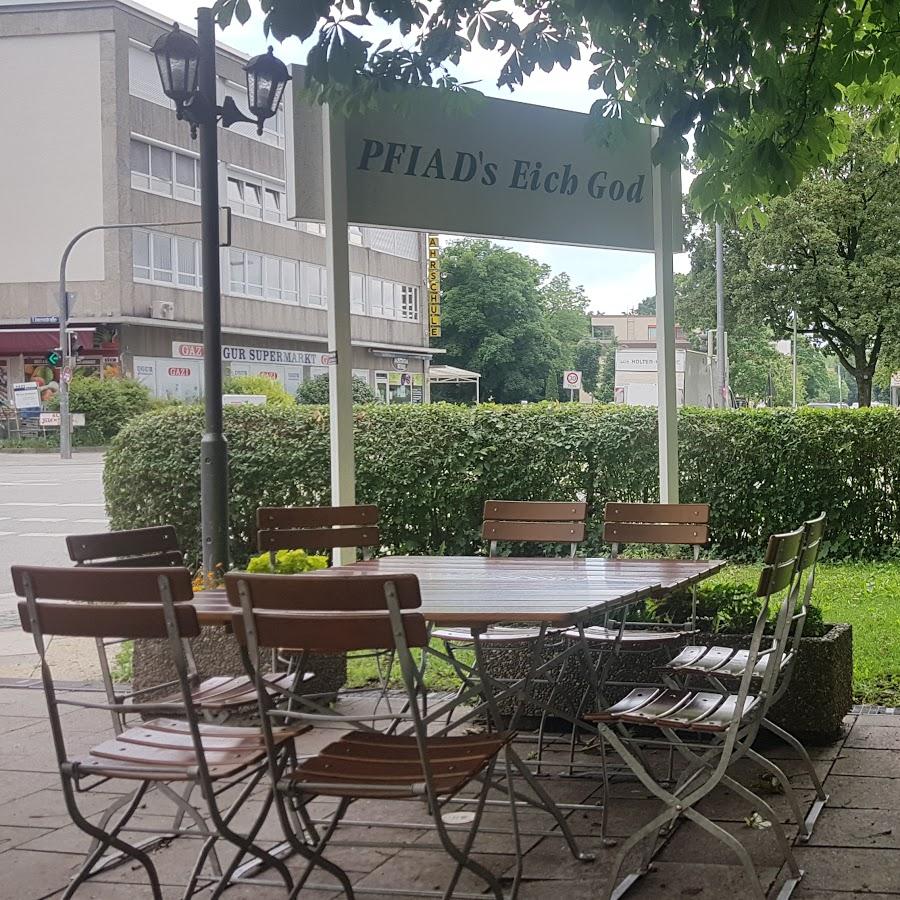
[42, 499]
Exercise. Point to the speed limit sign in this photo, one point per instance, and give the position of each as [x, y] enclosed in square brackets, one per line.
[572, 381]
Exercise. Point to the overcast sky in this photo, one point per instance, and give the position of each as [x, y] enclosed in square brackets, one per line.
[615, 281]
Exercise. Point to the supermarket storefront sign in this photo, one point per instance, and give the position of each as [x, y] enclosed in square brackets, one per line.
[188, 350]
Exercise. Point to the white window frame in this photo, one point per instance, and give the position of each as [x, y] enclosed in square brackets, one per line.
[168, 186]
[270, 290]
[178, 246]
[314, 286]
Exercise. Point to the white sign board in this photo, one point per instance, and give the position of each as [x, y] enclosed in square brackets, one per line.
[243, 399]
[644, 360]
[188, 350]
[52, 420]
[572, 381]
[895, 379]
[26, 395]
[499, 168]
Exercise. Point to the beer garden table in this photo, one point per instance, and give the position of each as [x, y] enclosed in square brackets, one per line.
[482, 592]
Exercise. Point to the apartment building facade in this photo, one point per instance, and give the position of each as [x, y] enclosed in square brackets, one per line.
[94, 140]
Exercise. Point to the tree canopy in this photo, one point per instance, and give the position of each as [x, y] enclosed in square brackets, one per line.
[507, 318]
[763, 85]
[827, 255]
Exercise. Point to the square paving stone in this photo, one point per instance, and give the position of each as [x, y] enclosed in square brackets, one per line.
[881, 763]
[857, 828]
[691, 843]
[850, 792]
[850, 869]
[874, 737]
[879, 721]
[29, 875]
[12, 836]
[14, 787]
[670, 880]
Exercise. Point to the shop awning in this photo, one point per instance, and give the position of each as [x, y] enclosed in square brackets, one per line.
[39, 340]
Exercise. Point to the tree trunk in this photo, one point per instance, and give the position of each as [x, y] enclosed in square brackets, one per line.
[864, 388]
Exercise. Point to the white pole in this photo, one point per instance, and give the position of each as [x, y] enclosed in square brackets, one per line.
[794, 365]
[340, 384]
[663, 242]
[720, 320]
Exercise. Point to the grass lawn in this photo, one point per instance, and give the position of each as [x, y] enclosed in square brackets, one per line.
[867, 595]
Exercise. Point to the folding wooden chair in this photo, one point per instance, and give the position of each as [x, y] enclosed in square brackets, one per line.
[217, 697]
[643, 524]
[366, 612]
[173, 756]
[720, 665]
[710, 731]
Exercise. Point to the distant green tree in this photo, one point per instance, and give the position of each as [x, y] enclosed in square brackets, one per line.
[587, 361]
[315, 390]
[606, 377]
[506, 317]
[647, 307]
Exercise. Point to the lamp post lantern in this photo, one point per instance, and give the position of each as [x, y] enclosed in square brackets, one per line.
[187, 70]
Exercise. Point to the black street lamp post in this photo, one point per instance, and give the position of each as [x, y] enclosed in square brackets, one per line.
[187, 70]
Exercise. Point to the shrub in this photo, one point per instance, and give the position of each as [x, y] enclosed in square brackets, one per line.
[287, 562]
[107, 405]
[274, 393]
[430, 468]
[315, 391]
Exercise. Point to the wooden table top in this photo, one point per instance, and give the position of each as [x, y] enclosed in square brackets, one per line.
[478, 590]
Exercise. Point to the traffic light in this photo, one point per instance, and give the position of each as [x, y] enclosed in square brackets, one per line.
[54, 357]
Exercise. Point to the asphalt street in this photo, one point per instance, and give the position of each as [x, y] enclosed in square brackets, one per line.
[43, 499]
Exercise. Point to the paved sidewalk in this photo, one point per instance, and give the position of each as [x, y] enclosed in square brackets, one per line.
[854, 851]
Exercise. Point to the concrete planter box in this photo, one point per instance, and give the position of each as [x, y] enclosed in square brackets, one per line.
[819, 696]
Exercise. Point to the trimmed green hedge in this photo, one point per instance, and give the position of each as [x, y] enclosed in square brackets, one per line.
[430, 468]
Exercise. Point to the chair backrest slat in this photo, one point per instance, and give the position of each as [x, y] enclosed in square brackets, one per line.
[329, 632]
[656, 523]
[815, 531]
[315, 516]
[119, 620]
[157, 545]
[534, 511]
[102, 585]
[543, 532]
[355, 593]
[317, 538]
[655, 533]
[658, 513]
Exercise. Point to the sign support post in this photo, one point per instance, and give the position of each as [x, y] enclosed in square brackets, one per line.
[663, 248]
[340, 382]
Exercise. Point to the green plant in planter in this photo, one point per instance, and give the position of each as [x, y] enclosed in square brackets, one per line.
[287, 562]
[726, 607]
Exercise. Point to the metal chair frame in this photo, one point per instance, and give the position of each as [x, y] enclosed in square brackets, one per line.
[813, 531]
[73, 601]
[391, 624]
[710, 747]
[217, 698]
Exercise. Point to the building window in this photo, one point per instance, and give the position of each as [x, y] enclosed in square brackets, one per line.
[315, 286]
[267, 277]
[316, 228]
[256, 200]
[603, 332]
[166, 259]
[651, 332]
[409, 303]
[143, 77]
[163, 171]
[357, 293]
